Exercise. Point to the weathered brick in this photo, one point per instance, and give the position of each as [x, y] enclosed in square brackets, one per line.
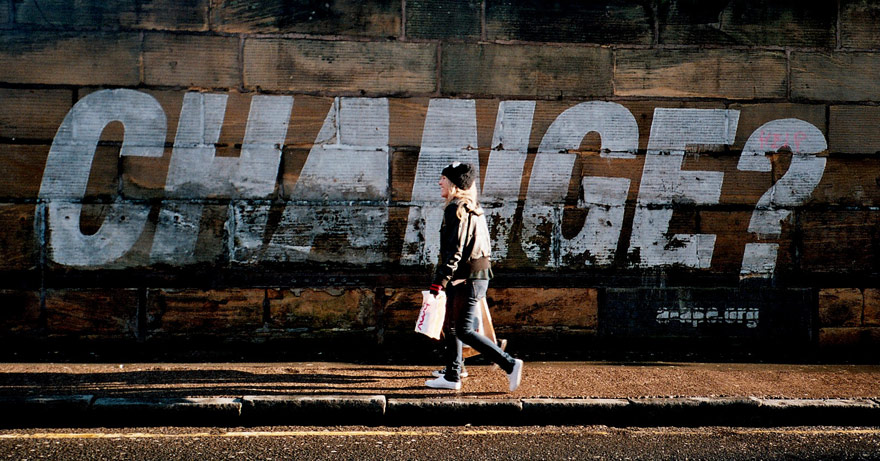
[450, 19]
[406, 117]
[5, 13]
[840, 307]
[859, 22]
[836, 76]
[836, 338]
[738, 187]
[355, 235]
[853, 129]
[102, 313]
[334, 66]
[643, 111]
[322, 308]
[520, 308]
[26, 163]
[401, 308]
[373, 18]
[80, 14]
[19, 312]
[191, 60]
[705, 73]
[854, 236]
[871, 316]
[32, 114]
[191, 311]
[527, 71]
[748, 22]
[730, 229]
[210, 236]
[92, 217]
[752, 116]
[190, 15]
[69, 59]
[604, 22]
[19, 249]
[23, 170]
[848, 181]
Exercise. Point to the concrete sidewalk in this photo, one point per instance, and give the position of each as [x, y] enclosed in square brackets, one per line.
[235, 394]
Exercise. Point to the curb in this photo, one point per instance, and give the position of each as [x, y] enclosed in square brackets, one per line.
[307, 410]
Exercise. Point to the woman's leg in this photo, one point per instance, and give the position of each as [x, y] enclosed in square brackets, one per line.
[466, 322]
[452, 351]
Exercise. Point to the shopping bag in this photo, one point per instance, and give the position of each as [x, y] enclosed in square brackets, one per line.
[430, 320]
[484, 327]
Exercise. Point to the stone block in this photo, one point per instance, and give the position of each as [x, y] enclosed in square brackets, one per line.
[31, 114]
[753, 116]
[643, 111]
[839, 241]
[474, 69]
[748, 22]
[848, 181]
[354, 235]
[840, 307]
[859, 22]
[54, 58]
[730, 229]
[373, 18]
[871, 316]
[340, 66]
[191, 60]
[604, 22]
[402, 308]
[459, 19]
[317, 309]
[700, 73]
[521, 308]
[843, 338]
[189, 15]
[19, 312]
[19, 243]
[77, 14]
[853, 129]
[93, 313]
[23, 166]
[835, 76]
[204, 312]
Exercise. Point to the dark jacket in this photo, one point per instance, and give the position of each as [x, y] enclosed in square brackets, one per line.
[464, 246]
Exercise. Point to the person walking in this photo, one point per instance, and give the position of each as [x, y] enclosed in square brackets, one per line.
[464, 271]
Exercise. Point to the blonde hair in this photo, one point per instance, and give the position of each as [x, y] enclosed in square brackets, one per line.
[467, 199]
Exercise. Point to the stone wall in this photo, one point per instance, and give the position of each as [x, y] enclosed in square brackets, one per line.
[260, 171]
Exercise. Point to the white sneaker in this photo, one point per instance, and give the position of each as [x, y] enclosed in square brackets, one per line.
[439, 373]
[442, 383]
[515, 376]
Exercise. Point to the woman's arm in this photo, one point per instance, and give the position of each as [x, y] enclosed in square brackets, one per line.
[452, 243]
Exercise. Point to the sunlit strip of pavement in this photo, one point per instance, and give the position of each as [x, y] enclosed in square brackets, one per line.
[428, 433]
[159, 435]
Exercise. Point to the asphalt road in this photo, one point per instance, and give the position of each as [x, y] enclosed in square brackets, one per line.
[442, 443]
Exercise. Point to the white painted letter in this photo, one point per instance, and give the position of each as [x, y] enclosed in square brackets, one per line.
[450, 135]
[792, 190]
[665, 184]
[348, 162]
[604, 197]
[195, 173]
[69, 164]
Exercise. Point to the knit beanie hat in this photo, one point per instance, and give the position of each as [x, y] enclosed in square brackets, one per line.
[460, 174]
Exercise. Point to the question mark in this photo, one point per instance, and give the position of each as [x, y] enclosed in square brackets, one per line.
[791, 190]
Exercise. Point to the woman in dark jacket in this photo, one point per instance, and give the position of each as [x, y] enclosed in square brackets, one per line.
[464, 272]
